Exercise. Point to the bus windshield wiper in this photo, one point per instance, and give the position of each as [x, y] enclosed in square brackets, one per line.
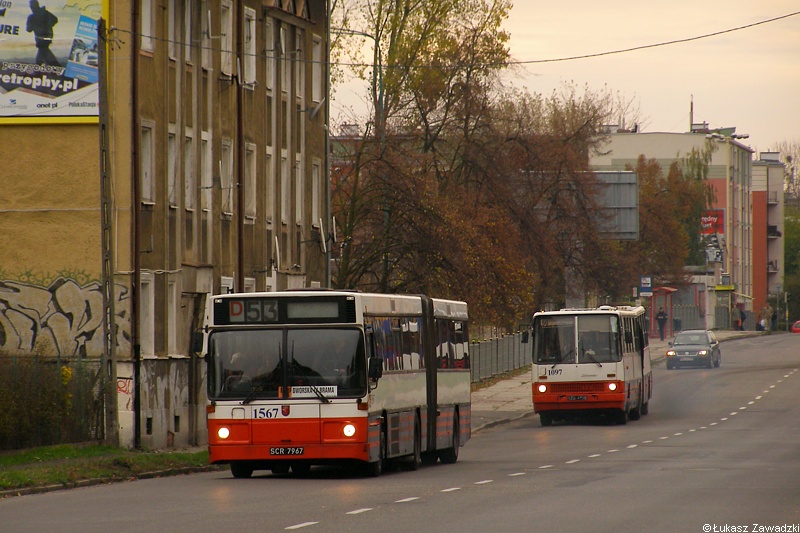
[590, 355]
[250, 397]
[322, 397]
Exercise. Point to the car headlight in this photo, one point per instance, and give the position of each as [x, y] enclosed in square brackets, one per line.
[702, 352]
[670, 353]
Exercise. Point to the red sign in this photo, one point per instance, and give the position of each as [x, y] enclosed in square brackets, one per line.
[713, 222]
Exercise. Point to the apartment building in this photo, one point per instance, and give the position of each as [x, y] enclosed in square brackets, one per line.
[193, 163]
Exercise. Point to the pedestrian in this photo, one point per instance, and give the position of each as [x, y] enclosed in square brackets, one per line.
[742, 317]
[661, 319]
[41, 23]
[774, 320]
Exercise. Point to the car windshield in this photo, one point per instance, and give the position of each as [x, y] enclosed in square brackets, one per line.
[691, 338]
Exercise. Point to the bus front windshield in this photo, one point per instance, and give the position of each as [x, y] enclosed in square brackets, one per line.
[289, 362]
[561, 339]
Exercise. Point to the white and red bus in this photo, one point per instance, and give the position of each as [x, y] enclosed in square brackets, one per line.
[312, 377]
[591, 361]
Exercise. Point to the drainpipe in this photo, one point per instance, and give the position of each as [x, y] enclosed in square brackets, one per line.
[328, 218]
[137, 265]
[240, 150]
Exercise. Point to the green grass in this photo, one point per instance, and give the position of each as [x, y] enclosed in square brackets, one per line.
[67, 465]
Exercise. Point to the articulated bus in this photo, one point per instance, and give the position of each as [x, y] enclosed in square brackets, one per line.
[313, 377]
[591, 361]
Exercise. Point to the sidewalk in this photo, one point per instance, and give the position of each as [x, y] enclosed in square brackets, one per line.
[510, 399]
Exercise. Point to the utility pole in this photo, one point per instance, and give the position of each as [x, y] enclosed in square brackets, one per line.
[108, 361]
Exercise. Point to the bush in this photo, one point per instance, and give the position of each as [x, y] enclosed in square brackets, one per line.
[48, 401]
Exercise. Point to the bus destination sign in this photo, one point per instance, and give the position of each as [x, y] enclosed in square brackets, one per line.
[234, 311]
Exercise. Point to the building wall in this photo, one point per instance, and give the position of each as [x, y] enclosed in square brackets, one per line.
[199, 193]
[729, 175]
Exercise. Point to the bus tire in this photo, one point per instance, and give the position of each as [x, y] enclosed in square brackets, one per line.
[241, 469]
[449, 456]
[415, 459]
[375, 469]
[636, 413]
[545, 419]
[621, 417]
[646, 408]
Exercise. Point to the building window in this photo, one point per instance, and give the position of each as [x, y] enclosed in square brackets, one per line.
[249, 47]
[147, 25]
[316, 190]
[206, 181]
[205, 21]
[147, 163]
[299, 64]
[190, 185]
[269, 187]
[187, 34]
[226, 177]
[171, 33]
[317, 89]
[172, 166]
[286, 188]
[226, 39]
[284, 59]
[270, 53]
[147, 315]
[299, 189]
[173, 305]
[250, 181]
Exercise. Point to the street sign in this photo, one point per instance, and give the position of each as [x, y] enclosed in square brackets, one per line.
[646, 286]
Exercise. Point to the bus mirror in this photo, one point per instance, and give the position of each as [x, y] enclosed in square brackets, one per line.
[375, 368]
[197, 342]
[524, 337]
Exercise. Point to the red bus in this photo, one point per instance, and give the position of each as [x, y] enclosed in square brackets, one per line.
[303, 378]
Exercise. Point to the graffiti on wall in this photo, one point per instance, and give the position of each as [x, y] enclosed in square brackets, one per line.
[62, 318]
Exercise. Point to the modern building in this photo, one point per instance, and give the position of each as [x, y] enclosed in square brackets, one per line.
[768, 240]
[183, 156]
[733, 250]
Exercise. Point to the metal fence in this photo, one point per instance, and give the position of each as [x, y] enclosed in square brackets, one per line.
[497, 356]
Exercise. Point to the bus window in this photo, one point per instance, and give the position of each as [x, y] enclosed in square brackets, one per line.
[598, 339]
[555, 340]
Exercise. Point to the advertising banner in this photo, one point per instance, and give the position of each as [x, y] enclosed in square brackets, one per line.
[48, 59]
[713, 222]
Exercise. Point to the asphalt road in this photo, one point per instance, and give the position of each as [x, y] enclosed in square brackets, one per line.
[720, 450]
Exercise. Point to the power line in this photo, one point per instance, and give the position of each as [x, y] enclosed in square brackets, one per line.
[460, 65]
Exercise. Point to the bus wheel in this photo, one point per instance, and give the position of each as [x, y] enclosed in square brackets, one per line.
[621, 417]
[636, 414]
[545, 419]
[646, 408]
[241, 469]
[416, 457]
[376, 469]
[449, 456]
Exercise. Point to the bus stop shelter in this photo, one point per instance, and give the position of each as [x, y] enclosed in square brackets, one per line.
[662, 298]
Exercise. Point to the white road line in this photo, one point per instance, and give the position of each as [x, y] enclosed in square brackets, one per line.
[750, 403]
[545, 466]
[300, 526]
[484, 482]
[759, 397]
[632, 446]
[573, 461]
[647, 442]
[742, 408]
[612, 451]
[451, 489]
[359, 511]
[516, 474]
[663, 438]
[713, 424]
[677, 434]
[406, 500]
[595, 455]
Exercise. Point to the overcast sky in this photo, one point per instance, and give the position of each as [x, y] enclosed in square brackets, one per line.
[748, 78]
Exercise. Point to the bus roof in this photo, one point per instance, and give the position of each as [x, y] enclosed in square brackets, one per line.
[611, 309]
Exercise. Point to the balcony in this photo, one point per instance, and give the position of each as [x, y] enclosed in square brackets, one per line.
[773, 232]
[772, 267]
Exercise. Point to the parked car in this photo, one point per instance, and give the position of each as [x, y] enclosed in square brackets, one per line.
[694, 347]
[796, 327]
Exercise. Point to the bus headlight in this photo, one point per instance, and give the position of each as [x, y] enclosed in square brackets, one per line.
[223, 433]
[612, 386]
[349, 430]
[542, 388]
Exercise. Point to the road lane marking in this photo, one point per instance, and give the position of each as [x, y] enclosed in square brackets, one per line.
[406, 500]
[545, 466]
[451, 489]
[300, 526]
[516, 474]
[484, 482]
[359, 511]
[573, 461]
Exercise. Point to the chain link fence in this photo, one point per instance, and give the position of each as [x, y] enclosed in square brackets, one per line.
[497, 356]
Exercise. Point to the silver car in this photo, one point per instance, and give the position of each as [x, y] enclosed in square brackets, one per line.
[694, 347]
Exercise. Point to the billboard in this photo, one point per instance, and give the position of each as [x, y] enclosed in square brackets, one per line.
[48, 60]
[713, 222]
